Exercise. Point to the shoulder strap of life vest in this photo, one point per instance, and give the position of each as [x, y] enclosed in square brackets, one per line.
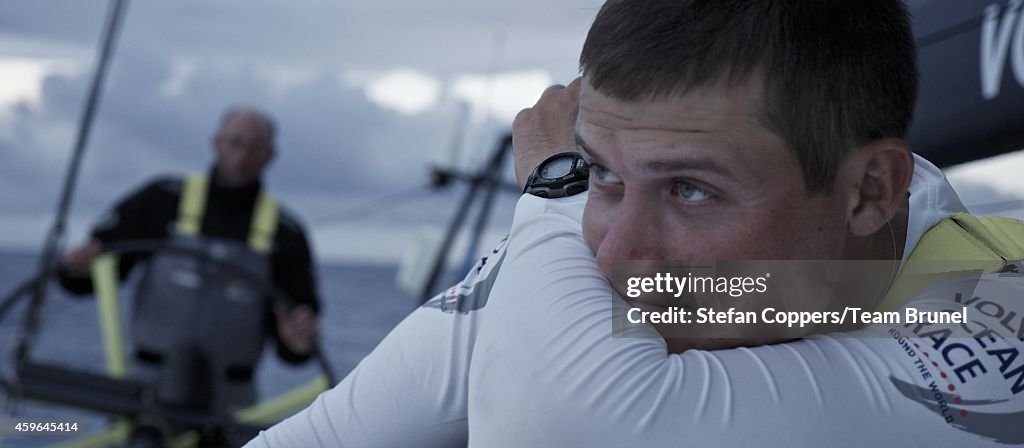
[192, 206]
[960, 245]
[263, 226]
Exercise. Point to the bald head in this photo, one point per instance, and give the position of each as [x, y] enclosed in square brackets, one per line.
[244, 146]
[250, 114]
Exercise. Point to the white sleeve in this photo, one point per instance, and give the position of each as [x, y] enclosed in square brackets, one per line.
[547, 371]
[411, 390]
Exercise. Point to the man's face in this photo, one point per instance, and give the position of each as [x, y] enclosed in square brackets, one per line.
[697, 177]
[244, 148]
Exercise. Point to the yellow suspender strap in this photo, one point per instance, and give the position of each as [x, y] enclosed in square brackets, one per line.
[263, 224]
[191, 205]
[104, 278]
[956, 247]
[1003, 236]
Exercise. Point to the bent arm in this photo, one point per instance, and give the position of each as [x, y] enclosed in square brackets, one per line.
[141, 215]
[295, 326]
[576, 385]
[412, 389]
[408, 392]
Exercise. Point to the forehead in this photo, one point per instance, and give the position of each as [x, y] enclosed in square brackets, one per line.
[713, 134]
[714, 108]
[723, 122]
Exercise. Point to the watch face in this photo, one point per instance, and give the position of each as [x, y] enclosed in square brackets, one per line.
[559, 176]
[559, 167]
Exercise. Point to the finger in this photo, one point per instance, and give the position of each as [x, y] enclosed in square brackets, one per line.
[574, 87]
[521, 115]
[553, 87]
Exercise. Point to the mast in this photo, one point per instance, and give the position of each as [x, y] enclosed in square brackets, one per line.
[115, 14]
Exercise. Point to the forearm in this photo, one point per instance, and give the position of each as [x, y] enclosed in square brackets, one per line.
[408, 392]
[296, 326]
[412, 390]
[550, 323]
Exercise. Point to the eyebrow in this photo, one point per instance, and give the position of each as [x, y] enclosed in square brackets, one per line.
[663, 166]
[585, 149]
[693, 164]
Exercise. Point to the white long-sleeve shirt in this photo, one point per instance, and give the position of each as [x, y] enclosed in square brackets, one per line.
[527, 358]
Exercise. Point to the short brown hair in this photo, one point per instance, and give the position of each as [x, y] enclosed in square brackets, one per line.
[837, 73]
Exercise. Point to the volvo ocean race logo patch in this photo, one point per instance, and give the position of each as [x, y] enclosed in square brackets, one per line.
[972, 374]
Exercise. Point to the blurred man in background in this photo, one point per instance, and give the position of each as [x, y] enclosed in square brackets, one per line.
[203, 306]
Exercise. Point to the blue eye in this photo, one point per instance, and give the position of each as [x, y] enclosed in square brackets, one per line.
[603, 174]
[690, 192]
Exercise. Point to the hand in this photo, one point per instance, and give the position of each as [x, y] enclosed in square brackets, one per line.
[77, 262]
[545, 129]
[296, 328]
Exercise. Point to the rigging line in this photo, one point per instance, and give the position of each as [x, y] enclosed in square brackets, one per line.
[12, 298]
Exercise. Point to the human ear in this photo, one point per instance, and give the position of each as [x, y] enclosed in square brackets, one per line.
[876, 176]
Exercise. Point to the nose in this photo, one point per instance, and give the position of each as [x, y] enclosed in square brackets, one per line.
[633, 233]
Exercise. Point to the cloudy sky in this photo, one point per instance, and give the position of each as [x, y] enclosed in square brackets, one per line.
[368, 96]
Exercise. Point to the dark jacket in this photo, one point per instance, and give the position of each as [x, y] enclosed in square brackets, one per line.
[150, 213]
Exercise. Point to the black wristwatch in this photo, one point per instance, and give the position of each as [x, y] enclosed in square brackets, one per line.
[559, 176]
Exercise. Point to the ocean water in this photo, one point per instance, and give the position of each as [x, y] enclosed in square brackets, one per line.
[360, 304]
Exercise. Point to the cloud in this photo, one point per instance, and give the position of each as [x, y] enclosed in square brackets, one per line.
[502, 95]
[182, 72]
[408, 69]
[404, 90]
[422, 84]
[157, 117]
[22, 82]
